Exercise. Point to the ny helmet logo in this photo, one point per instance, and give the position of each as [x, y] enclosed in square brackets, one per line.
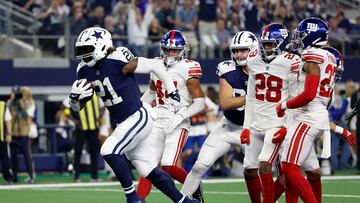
[312, 27]
[284, 32]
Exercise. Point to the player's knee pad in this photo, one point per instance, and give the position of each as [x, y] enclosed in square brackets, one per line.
[199, 168]
[158, 175]
[144, 167]
[105, 149]
[314, 174]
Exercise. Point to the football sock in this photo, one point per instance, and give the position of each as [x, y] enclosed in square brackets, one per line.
[279, 189]
[291, 195]
[298, 182]
[144, 187]
[121, 170]
[316, 188]
[254, 188]
[165, 184]
[268, 187]
[176, 172]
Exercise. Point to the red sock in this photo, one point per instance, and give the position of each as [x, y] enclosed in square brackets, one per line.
[290, 195]
[144, 187]
[268, 188]
[316, 188]
[298, 182]
[254, 188]
[176, 172]
[279, 189]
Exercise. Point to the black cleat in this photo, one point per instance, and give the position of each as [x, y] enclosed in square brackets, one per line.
[198, 195]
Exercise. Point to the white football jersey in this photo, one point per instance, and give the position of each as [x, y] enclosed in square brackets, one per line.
[269, 84]
[180, 73]
[315, 112]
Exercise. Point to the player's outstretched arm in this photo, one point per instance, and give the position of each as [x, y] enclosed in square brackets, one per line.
[343, 132]
[145, 65]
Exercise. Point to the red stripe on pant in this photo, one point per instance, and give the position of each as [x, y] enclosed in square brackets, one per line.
[296, 145]
[301, 145]
[292, 140]
[181, 142]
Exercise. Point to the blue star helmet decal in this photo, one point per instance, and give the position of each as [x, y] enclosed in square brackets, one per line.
[252, 37]
[97, 35]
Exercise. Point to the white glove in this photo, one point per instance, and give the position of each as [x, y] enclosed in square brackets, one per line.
[173, 123]
[80, 91]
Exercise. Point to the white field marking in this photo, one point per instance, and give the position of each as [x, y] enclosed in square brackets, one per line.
[210, 181]
[157, 191]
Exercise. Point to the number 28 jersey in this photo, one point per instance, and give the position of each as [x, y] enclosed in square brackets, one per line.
[315, 112]
[120, 93]
[269, 84]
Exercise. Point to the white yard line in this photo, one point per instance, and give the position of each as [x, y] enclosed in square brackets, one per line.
[210, 181]
[157, 191]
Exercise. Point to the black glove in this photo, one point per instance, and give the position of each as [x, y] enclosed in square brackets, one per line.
[175, 95]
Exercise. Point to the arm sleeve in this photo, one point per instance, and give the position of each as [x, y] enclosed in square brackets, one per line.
[8, 116]
[149, 16]
[309, 93]
[250, 102]
[197, 106]
[157, 67]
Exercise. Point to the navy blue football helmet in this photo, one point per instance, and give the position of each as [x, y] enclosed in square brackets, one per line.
[339, 62]
[273, 34]
[309, 32]
[172, 40]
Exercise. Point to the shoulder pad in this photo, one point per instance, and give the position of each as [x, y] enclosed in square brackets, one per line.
[121, 54]
[313, 55]
[193, 68]
[225, 67]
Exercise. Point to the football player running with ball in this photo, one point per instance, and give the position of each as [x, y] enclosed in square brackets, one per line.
[110, 72]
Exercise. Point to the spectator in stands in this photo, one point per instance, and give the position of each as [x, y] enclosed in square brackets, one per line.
[166, 15]
[155, 34]
[223, 36]
[34, 6]
[222, 10]
[97, 19]
[186, 22]
[355, 99]
[22, 111]
[207, 28]
[237, 10]
[304, 9]
[114, 30]
[5, 139]
[78, 21]
[251, 13]
[120, 18]
[339, 146]
[137, 35]
[344, 22]
[337, 36]
[355, 29]
[283, 14]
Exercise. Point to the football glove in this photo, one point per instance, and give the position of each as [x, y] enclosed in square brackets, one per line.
[175, 101]
[245, 136]
[279, 135]
[80, 90]
[349, 137]
[173, 123]
[280, 110]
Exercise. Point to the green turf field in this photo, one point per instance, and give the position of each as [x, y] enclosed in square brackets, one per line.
[340, 189]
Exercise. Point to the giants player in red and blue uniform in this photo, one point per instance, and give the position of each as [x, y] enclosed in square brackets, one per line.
[110, 72]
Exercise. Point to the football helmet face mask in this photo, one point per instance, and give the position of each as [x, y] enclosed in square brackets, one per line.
[339, 62]
[173, 47]
[242, 40]
[92, 45]
[309, 32]
[273, 40]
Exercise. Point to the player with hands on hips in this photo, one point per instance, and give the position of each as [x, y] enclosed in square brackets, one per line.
[110, 72]
[171, 125]
[270, 78]
[233, 76]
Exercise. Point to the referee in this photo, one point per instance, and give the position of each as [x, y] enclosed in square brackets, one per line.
[87, 129]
